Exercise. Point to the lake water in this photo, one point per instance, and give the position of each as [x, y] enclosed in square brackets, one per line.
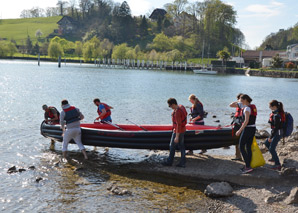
[138, 95]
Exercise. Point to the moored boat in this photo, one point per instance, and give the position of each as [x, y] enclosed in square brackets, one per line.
[145, 136]
[205, 71]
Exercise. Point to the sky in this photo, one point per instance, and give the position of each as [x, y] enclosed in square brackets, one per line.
[255, 18]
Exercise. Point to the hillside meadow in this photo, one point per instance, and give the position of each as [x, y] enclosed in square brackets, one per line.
[18, 29]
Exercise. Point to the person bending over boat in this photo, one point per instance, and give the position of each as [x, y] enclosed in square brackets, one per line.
[179, 119]
[51, 114]
[103, 110]
[71, 116]
[237, 123]
[247, 130]
[277, 117]
[196, 116]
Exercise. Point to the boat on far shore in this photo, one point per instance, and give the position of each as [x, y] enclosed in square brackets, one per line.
[205, 71]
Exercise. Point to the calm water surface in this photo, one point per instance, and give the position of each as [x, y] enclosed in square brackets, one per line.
[137, 95]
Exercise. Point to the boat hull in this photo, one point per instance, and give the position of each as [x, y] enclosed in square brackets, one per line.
[196, 137]
[204, 71]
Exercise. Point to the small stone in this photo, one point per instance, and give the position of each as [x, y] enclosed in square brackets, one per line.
[79, 169]
[283, 154]
[293, 197]
[38, 179]
[219, 189]
[214, 116]
[22, 170]
[82, 181]
[293, 148]
[276, 198]
[12, 170]
[31, 167]
[217, 121]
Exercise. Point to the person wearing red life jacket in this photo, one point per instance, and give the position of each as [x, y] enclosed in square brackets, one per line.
[51, 114]
[237, 123]
[179, 119]
[197, 116]
[247, 131]
[103, 110]
[71, 116]
[276, 120]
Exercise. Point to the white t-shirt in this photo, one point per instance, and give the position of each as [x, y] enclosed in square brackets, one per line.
[247, 109]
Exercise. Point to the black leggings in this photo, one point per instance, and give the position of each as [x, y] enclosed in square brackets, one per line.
[245, 143]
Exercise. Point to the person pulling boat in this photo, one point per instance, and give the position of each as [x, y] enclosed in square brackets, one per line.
[103, 110]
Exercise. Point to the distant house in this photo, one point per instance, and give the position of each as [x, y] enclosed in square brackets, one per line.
[258, 56]
[158, 14]
[292, 52]
[67, 25]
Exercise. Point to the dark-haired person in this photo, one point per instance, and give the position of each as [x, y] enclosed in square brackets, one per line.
[277, 117]
[179, 119]
[247, 131]
[71, 116]
[51, 114]
[237, 123]
[196, 116]
[103, 110]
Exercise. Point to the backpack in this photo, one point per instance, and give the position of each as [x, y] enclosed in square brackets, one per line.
[288, 125]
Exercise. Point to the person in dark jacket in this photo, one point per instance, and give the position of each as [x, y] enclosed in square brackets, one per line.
[196, 116]
[277, 117]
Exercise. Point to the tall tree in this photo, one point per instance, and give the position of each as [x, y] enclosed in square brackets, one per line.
[62, 4]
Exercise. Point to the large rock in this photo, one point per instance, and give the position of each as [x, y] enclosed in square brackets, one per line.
[293, 197]
[275, 198]
[262, 134]
[219, 189]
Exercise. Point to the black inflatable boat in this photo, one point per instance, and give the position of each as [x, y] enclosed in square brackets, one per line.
[145, 136]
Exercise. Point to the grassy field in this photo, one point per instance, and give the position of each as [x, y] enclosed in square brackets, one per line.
[18, 29]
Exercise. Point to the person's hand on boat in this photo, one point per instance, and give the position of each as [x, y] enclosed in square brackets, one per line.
[238, 133]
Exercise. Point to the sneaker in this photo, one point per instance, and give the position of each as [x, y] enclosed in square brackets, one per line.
[203, 151]
[276, 167]
[247, 170]
[190, 152]
[166, 164]
[271, 160]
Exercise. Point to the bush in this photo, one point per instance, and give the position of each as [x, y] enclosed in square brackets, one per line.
[55, 50]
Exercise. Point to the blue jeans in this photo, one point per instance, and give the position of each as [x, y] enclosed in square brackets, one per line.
[173, 147]
[245, 142]
[272, 148]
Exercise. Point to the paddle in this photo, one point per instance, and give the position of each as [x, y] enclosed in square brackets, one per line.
[137, 125]
[108, 122]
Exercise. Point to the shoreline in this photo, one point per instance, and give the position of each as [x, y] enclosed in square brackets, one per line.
[231, 71]
[263, 190]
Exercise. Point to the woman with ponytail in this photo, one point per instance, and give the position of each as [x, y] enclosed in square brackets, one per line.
[277, 117]
[196, 116]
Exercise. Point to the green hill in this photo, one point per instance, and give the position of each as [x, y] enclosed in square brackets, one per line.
[17, 29]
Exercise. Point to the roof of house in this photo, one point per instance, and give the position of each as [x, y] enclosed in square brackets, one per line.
[256, 54]
[291, 46]
[67, 18]
[158, 13]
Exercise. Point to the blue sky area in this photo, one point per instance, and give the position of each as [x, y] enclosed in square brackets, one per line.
[255, 18]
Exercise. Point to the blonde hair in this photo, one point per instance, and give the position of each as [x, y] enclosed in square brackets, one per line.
[193, 97]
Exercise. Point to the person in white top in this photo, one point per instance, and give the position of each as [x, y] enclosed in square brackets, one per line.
[247, 131]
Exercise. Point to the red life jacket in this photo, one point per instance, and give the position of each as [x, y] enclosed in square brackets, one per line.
[252, 116]
[108, 111]
[282, 119]
[184, 112]
[238, 112]
[51, 114]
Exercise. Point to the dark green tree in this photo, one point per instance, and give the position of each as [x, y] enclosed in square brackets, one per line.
[144, 27]
[277, 61]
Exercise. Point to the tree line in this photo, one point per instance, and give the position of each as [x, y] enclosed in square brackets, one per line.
[107, 29]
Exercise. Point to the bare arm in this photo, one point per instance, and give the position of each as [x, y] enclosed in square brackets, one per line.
[244, 123]
[234, 104]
